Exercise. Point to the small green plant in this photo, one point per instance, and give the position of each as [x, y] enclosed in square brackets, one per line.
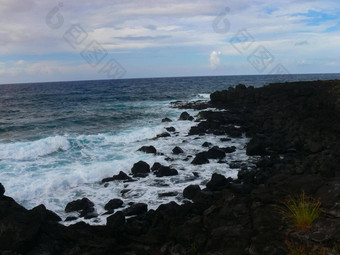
[302, 210]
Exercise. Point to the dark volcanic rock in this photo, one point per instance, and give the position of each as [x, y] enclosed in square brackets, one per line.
[215, 153]
[119, 177]
[165, 171]
[148, 149]
[200, 159]
[2, 190]
[206, 144]
[116, 221]
[156, 166]
[84, 205]
[185, 116]
[229, 149]
[165, 134]
[177, 150]
[166, 120]
[136, 209]
[71, 218]
[170, 129]
[256, 147]
[113, 204]
[218, 182]
[190, 191]
[140, 169]
[168, 194]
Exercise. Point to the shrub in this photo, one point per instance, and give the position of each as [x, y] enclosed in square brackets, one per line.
[302, 210]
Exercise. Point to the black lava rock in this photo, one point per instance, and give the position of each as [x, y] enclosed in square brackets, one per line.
[170, 129]
[166, 171]
[120, 177]
[165, 134]
[79, 205]
[215, 153]
[218, 182]
[113, 204]
[156, 166]
[177, 150]
[206, 144]
[185, 116]
[2, 190]
[140, 169]
[116, 220]
[200, 159]
[148, 149]
[166, 120]
[190, 191]
[229, 149]
[136, 209]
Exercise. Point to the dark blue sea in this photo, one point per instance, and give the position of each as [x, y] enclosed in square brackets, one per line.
[58, 140]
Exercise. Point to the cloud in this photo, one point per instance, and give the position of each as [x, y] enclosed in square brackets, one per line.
[301, 43]
[214, 59]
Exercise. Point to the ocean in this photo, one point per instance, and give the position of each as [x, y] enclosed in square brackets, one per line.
[59, 140]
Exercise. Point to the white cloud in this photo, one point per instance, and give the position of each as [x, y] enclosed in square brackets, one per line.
[214, 59]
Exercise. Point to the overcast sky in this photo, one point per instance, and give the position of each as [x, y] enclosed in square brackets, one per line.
[44, 40]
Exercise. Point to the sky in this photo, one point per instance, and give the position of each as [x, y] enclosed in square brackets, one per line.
[44, 40]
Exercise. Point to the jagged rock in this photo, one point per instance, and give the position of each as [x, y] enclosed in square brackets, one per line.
[116, 221]
[164, 134]
[229, 149]
[83, 205]
[170, 129]
[218, 182]
[206, 144]
[140, 169]
[120, 177]
[148, 149]
[136, 209]
[113, 204]
[256, 147]
[177, 150]
[71, 218]
[165, 171]
[2, 190]
[225, 139]
[168, 194]
[215, 153]
[190, 191]
[185, 116]
[156, 166]
[166, 120]
[200, 159]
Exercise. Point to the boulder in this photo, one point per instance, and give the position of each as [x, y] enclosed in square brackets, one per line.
[215, 153]
[206, 144]
[116, 220]
[170, 129]
[140, 169]
[225, 139]
[218, 182]
[200, 159]
[2, 190]
[164, 134]
[177, 150]
[168, 194]
[136, 209]
[229, 149]
[113, 204]
[148, 149]
[185, 116]
[165, 171]
[119, 177]
[190, 191]
[256, 147]
[80, 205]
[156, 166]
[166, 120]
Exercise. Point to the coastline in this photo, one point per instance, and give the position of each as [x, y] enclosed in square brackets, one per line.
[292, 126]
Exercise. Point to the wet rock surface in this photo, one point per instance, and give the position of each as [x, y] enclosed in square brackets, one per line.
[294, 131]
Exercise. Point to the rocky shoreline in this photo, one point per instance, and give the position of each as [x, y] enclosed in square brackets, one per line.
[294, 130]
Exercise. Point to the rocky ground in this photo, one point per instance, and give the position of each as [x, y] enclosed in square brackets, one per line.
[294, 128]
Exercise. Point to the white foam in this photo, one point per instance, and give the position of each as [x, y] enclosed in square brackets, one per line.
[32, 150]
